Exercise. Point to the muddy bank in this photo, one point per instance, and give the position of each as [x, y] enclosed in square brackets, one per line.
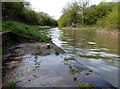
[102, 31]
[28, 67]
[111, 33]
[10, 38]
[79, 28]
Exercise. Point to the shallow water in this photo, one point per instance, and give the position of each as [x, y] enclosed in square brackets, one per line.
[28, 69]
[52, 71]
[98, 52]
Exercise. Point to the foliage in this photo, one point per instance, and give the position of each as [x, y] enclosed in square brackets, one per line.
[104, 14]
[71, 15]
[86, 86]
[57, 52]
[94, 13]
[73, 70]
[110, 21]
[11, 85]
[26, 30]
[21, 11]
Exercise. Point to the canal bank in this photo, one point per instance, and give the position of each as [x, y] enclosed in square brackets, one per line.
[99, 30]
[33, 65]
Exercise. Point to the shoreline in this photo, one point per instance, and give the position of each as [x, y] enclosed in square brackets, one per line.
[99, 30]
[38, 52]
[111, 33]
[54, 62]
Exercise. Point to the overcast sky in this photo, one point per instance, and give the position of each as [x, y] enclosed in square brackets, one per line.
[53, 7]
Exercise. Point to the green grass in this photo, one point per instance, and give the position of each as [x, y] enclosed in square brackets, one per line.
[11, 85]
[43, 27]
[86, 86]
[26, 30]
[57, 52]
[72, 70]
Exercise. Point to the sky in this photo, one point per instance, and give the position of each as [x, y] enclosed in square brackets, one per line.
[53, 7]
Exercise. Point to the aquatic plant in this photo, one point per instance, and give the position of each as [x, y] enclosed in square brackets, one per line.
[71, 58]
[11, 85]
[73, 70]
[57, 52]
[86, 86]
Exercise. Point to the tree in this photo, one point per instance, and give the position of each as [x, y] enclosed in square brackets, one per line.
[21, 11]
[71, 15]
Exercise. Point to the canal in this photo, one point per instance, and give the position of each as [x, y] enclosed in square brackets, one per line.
[96, 51]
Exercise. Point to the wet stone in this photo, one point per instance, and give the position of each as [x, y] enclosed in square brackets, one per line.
[87, 73]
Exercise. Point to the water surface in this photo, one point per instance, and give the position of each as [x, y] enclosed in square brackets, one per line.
[97, 51]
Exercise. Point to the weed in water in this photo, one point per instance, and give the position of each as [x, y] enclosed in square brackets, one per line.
[57, 52]
[73, 70]
[86, 86]
[67, 59]
[11, 85]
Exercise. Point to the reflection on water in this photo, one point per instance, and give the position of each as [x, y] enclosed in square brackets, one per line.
[96, 51]
[87, 43]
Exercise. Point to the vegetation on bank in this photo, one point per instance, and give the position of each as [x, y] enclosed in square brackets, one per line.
[20, 18]
[26, 30]
[104, 15]
[22, 12]
[70, 58]
[86, 86]
[11, 85]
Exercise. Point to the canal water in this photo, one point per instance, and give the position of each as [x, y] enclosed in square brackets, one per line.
[96, 51]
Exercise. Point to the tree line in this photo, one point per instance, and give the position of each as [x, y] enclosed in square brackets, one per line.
[105, 14]
[22, 11]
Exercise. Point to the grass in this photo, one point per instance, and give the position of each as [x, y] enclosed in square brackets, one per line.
[67, 59]
[57, 52]
[7, 45]
[86, 86]
[11, 85]
[26, 30]
[73, 70]
[43, 27]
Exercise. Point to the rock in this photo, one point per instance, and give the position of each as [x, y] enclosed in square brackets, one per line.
[87, 73]
[90, 70]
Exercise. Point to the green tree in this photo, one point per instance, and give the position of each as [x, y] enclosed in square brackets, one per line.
[71, 15]
[21, 11]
